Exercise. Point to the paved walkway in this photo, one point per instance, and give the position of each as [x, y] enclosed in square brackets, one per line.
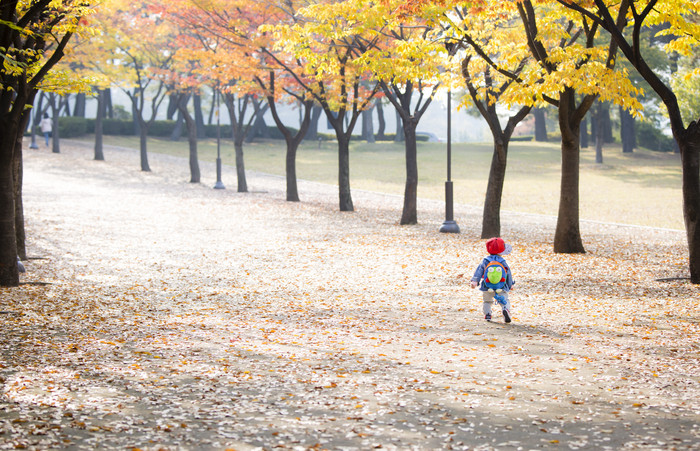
[158, 314]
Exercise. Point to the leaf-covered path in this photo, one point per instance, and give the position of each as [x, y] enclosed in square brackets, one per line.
[158, 314]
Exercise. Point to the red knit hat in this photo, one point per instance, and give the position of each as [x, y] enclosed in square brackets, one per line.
[497, 246]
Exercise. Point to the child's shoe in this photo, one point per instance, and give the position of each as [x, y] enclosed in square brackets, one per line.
[506, 315]
[488, 317]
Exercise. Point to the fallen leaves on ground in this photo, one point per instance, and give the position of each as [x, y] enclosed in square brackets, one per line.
[173, 316]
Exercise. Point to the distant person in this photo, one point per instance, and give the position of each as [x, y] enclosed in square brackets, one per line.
[494, 278]
[46, 127]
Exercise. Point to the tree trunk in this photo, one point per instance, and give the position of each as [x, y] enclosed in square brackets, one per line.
[136, 115]
[9, 274]
[343, 124]
[627, 135]
[79, 109]
[491, 223]
[13, 121]
[191, 125]
[689, 144]
[212, 110]
[607, 123]
[143, 140]
[540, 124]
[38, 114]
[599, 132]
[567, 238]
[399, 129]
[382, 122]
[239, 130]
[99, 120]
[240, 165]
[65, 104]
[177, 129]
[195, 175]
[259, 129]
[409, 215]
[367, 126]
[344, 196]
[290, 170]
[55, 135]
[172, 107]
[109, 103]
[18, 178]
[312, 132]
[584, 133]
[292, 141]
[199, 117]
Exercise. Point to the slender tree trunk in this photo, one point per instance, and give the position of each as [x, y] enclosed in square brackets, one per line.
[191, 126]
[292, 141]
[292, 147]
[65, 104]
[290, 170]
[399, 129]
[567, 238]
[491, 223]
[210, 119]
[344, 195]
[627, 134]
[38, 114]
[172, 106]
[259, 129]
[136, 114]
[109, 104]
[240, 164]
[195, 175]
[143, 141]
[177, 129]
[237, 109]
[409, 215]
[382, 122]
[540, 124]
[199, 117]
[55, 134]
[367, 126]
[312, 133]
[584, 133]
[99, 120]
[607, 123]
[599, 132]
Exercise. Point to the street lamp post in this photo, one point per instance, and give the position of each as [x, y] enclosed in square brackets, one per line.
[219, 184]
[449, 226]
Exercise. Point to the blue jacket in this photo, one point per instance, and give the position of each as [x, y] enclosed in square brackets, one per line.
[479, 273]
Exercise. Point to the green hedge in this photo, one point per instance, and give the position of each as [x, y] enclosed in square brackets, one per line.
[71, 127]
[112, 126]
[161, 129]
[652, 138]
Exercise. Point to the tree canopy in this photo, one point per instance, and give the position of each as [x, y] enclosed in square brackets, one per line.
[342, 54]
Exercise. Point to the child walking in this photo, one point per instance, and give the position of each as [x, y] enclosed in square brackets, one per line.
[494, 278]
[46, 127]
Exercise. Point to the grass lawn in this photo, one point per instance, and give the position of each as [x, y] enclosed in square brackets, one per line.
[643, 188]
